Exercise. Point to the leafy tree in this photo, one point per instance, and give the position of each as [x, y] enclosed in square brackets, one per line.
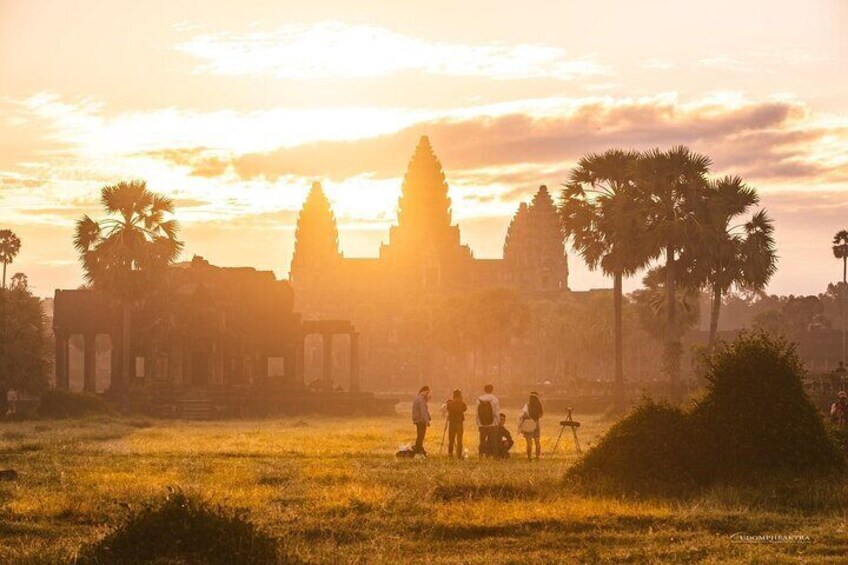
[126, 256]
[602, 216]
[10, 246]
[19, 282]
[23, 344]
[482, 321]
[671, 184]
[773, 322]
[741, 256]
[651, 304]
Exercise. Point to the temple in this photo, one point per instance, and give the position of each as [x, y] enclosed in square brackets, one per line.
[212, 338]
[240, 341]
[423, 258]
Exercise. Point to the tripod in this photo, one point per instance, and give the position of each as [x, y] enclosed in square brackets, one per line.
[568, 423]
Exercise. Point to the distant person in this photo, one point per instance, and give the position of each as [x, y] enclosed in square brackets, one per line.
[456, 408]
[487, 423]
[530, 426]
[839, 410]
[421, 418]
[11, 402]
[503, 439]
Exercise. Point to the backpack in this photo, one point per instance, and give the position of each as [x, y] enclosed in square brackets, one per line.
[534, 409]
[485, 413]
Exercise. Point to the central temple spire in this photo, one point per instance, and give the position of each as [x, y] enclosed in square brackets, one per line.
[424, 211]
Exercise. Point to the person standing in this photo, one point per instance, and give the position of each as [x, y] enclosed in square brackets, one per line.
[456, 408]
[839, 410]
[421, 418]
[530, 426]
[488, 410]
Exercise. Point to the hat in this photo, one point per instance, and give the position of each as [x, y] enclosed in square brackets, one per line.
[842, 394]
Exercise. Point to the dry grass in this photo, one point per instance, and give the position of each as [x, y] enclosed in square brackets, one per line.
[332, 491]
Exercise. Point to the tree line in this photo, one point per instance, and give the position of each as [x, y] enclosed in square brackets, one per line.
[659, 210]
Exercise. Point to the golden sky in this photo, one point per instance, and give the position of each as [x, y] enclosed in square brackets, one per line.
[233, 108]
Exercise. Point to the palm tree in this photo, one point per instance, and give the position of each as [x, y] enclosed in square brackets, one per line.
[743, 256]
[10, 246]
[125, 256]
[840, 251]
[672, 184]
[601, 215]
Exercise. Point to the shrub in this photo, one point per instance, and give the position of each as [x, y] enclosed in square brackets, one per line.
[65, 404]
[755, 420]
[183, 529]
[650, 450]
[756, 416]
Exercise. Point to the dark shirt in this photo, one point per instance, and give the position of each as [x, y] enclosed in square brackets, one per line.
[456, 411]
[504, 439]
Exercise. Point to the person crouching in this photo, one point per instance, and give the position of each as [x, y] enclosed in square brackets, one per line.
[504, 440]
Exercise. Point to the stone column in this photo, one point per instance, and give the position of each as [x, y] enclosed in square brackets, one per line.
[62, 379]
[116, 377]
[299, 363]
[327, 367]
[89, 362]
[354, 362]
[288, 380]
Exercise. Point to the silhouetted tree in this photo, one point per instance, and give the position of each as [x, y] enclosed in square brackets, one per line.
[603, 217]
[10, 246]
[19, 282]
[651, 302]
[729, 255]
[840, 251]
[672, 184]
[125, 256]
[23, 345]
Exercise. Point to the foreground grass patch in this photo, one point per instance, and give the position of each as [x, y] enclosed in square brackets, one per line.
[336, 498]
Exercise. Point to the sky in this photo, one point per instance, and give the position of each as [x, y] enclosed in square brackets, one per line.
[234, 108]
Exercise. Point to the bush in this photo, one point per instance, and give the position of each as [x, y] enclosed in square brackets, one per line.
[65, 404]
[183, 529]
[756, 416]
[755, 420]
[650, 450]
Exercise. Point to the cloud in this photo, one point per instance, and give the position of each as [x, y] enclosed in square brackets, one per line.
[657, 64]
[762, 140]
[338, 50]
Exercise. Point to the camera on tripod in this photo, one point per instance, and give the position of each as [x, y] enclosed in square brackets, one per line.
[569, 422]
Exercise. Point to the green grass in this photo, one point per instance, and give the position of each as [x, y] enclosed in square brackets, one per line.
[332, 491]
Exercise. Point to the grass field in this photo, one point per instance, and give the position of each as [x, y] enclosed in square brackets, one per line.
[333, 492]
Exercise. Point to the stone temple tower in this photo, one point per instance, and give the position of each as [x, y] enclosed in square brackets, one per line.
[534, 250]
[424, 247]
[316, 257]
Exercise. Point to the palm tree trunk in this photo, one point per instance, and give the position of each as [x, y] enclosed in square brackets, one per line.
[672, 344]
[619, 365]
[125, 351]
[714, 313]
[4, 274]
[844, 273]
